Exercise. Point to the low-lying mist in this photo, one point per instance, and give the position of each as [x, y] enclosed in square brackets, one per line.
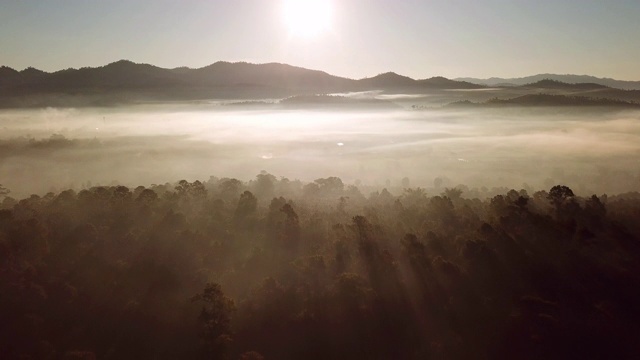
[54, 149]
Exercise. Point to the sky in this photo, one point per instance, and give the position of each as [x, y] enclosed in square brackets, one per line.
[416, 38]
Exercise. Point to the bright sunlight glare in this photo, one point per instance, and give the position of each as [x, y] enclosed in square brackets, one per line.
[307, 18]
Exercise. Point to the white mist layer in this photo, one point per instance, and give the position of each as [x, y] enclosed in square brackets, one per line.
[597, 153]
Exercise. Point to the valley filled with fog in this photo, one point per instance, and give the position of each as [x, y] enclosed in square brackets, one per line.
[591, 151]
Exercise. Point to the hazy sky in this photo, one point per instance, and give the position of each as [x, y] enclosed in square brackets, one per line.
[418, 38]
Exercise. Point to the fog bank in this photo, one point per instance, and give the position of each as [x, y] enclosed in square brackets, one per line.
[53, 149]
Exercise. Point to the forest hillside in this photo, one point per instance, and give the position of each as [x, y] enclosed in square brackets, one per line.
[280, 269]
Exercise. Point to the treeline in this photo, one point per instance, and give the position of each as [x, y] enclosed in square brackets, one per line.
[541, 100]
[278, 269]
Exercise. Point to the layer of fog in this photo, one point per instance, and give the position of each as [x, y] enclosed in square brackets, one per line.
[53, 149]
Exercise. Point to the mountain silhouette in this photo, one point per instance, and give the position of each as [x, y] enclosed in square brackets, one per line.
[387, 80]
[440, 82]
[559, 85]
[126, 82]
[593, 91]
[547, 100]
[571, 79]
[8, 76]
[391, 80]
[218, 80]
[273, 74]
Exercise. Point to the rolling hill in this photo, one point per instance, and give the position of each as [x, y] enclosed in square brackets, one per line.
[547, 100]
[559, 85]
[571, 79]
[125, 82]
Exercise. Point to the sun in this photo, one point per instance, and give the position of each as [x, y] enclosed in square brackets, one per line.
[307, 18]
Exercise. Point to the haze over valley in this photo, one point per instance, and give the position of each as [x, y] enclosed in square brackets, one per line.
[594, 152]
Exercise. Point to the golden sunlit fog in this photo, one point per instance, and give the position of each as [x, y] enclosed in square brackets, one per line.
[142, 145]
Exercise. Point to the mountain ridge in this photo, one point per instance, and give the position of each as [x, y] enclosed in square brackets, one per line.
[6, 71]
[548, 100]
[125, 82]
[565, 78]
[229, 73]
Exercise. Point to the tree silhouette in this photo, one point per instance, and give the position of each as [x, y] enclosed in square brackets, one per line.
[558, 196]
[331, 186]
[560, 193]
[215, 320]
[147, 196]
[246, 208]
[291, 228]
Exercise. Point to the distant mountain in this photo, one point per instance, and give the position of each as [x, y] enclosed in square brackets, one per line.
[8, 76]
[571, 79]
[545, 100]
[387, 80]
[125, 82]
[590, 90]
[271, 75]
[128, 76]
[115, 76]
[559, 85]
[392, 80]
[440, 82]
